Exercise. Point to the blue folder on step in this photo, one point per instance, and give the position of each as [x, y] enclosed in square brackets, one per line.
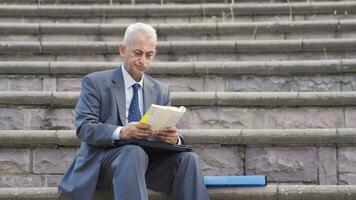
[221, 181]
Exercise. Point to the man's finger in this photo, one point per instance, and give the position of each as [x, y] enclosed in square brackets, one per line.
[144, 126]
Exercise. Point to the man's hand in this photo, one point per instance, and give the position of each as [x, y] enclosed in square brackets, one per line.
[135, 130]
[169, 135]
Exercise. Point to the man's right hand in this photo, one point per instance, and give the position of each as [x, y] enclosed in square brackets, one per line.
[135, 130]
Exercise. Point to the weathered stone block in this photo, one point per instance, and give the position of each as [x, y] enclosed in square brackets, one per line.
[114, 20]
[69, 84]
[259, 35]
[220, 161]
[304, 118]
[348, 82]
[220, 118]
[53, 180]
[176, 20]
[185, 84]
[215, 57]
[315, 83]
[151, 20]
[52, 160]
[214, 84]
[82, 58]
[13, 180]
[350, 117]
[327, 166]
[282, 163]
[110, 38]
[28, 58]
[25, 84]
[258, 84]
[34, 119]
[4, 84]
[232, 37]
[272, 18]
[185, 37]
[59, 119]
[19, 38]
[347, 179]
[321, 17]
[311, 35]
[11, 119]
[347, 165]
[14, 161]
[49, 84]
[67, 38]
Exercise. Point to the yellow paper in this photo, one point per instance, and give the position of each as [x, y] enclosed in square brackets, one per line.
[145, 118]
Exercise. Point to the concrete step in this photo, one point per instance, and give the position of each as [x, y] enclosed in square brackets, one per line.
[272, 192]
[278, 76]
[184, 50]
[180, 31]
[55, 110]
[39, 158]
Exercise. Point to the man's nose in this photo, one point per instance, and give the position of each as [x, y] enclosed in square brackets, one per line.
[143, 60]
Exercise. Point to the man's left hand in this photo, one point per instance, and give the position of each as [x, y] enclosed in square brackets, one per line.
[169, 135]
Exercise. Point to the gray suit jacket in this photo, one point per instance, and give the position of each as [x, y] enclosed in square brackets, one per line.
[100, 109]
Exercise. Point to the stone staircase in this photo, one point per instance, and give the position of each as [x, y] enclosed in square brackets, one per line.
[270, 86]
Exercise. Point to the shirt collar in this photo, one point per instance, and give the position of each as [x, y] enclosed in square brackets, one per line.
[128, 80]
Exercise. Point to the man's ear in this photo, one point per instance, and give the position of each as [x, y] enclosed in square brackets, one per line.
[122, 50]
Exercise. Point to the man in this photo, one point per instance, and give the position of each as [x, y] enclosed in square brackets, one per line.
[109, 108]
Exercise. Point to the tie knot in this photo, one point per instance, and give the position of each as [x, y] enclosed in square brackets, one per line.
[135, 87]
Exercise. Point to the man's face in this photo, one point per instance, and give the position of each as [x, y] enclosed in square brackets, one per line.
[138, 55]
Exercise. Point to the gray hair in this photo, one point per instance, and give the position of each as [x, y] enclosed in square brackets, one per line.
[142, 28]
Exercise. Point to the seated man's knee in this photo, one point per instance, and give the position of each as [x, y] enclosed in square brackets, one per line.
[132, 154]
[134, 150]
[189, 157]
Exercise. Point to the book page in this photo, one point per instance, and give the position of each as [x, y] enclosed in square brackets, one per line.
[162, 116]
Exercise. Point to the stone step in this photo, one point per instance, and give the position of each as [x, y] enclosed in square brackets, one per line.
[39, 158]
[184, 50]
[267, 99]
[185, 13]
[279, 76]
[134, 2]
[180, 31]
[300, 67]
[345, 7]
[271, 192]
[253, 137]
[55, 110]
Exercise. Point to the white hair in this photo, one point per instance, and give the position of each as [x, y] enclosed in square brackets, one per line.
[142, 28]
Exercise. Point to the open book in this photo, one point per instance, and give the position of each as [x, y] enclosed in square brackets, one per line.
[162, 116]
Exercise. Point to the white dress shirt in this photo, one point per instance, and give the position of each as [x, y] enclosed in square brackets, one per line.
[128, 82]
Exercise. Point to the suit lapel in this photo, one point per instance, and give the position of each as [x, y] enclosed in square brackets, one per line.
[149, 94]
[118, 88]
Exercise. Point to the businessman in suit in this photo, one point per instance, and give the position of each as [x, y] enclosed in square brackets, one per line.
[110, 105]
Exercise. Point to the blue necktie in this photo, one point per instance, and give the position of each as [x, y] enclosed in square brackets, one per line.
[134, 110]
